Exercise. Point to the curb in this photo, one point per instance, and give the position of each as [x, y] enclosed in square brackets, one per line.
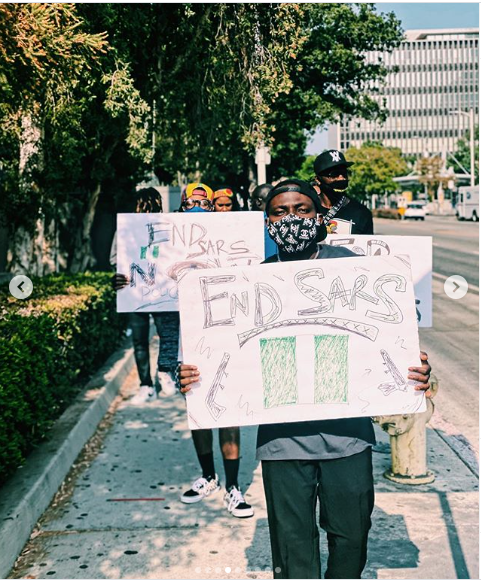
[29, 492]
[456, 441]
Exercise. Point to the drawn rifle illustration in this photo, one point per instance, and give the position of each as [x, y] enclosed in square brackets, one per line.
[399, 382]
[216, 409]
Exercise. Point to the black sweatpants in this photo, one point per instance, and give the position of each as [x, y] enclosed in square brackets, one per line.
[167, 325]
[345, 490]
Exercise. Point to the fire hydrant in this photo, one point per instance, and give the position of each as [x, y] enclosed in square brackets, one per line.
[408, 444]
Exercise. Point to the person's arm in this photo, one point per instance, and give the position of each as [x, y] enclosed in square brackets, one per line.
[422, 374]
[187, 375]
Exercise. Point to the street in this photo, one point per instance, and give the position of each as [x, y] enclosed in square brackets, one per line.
[452, 343]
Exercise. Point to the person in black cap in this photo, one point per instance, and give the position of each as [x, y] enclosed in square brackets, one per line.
[326, 462]
[342, 214]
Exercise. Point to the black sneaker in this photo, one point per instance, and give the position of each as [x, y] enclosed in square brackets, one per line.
[201, 488]
[235, 503]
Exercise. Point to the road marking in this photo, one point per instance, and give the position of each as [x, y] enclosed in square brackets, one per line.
[443, 278]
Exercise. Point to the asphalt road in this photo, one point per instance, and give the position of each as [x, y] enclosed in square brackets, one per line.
[453, 341]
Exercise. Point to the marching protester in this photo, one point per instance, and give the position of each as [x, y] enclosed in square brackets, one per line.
[326, 463]
[149, 200]
[258, 202]
[222, 200]
[342, 215]
[225, 200]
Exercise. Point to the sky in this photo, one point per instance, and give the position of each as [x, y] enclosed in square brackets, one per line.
[413, 16]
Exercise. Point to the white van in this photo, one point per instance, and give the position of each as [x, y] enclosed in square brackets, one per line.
[467, 206]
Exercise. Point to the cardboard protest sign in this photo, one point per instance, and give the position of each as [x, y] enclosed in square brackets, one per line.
[157, 250]
[418, 248]
[301, 340]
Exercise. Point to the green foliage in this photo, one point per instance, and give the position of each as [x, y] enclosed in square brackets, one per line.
[331, 76]
[374, 170]
[212, 81]
[70, 81]
[307, 169]
[51, 343]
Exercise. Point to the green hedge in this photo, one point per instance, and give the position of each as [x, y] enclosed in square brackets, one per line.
[50, 344]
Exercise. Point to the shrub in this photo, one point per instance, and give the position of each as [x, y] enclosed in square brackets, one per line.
[387, 213]
[51, 343]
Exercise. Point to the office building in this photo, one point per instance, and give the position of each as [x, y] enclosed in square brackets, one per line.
[432, 84]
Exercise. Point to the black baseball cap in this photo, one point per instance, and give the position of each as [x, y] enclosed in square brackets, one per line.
[295, 185]
[330, 159]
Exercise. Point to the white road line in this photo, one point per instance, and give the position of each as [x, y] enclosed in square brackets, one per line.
[444, 277]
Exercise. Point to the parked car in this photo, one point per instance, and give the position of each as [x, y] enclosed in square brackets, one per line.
[415, 210]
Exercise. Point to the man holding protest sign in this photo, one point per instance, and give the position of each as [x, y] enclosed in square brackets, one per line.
[303, 462]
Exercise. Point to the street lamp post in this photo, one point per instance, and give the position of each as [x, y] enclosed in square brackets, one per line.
[471, 142]
[470, 115]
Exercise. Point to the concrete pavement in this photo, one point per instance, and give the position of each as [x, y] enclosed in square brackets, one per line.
[118, 514]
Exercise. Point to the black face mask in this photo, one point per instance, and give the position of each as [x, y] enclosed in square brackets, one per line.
[294, 234]
[336, 189]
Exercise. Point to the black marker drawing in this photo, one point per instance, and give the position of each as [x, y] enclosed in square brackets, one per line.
[399, 382]
[367, 331]
[379, 243]
[201, 349]
[367, 371]
[148, 278]
[394, 314]
[216, 410]
[400, 341]
[246, 406]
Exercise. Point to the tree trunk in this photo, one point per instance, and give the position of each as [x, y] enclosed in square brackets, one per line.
[83, 257]
[32, 251]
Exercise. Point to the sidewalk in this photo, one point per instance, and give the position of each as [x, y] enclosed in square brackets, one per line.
[97, 526]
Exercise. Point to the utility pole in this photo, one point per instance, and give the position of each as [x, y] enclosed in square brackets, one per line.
[471, 142]
[263, 159]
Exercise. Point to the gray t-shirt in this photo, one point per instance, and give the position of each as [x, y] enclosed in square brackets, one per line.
[318, 439]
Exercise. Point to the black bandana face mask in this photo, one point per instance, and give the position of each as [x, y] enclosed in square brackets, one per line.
[294, 234]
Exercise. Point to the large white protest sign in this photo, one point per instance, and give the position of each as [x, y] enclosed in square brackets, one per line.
[301, 340]
[156, 250]
[420, 251]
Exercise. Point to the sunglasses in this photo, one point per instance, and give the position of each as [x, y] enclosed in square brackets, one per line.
[202, 203]
[334, 172]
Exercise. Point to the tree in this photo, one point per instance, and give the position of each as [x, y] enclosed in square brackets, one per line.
[374, 168]
[210, 82]
[67, 100]
[430, 172]
[331, 76]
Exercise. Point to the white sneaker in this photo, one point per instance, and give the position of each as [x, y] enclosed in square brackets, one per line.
[235, 503]
[200, 489]
[167, 384]
[146, 394]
